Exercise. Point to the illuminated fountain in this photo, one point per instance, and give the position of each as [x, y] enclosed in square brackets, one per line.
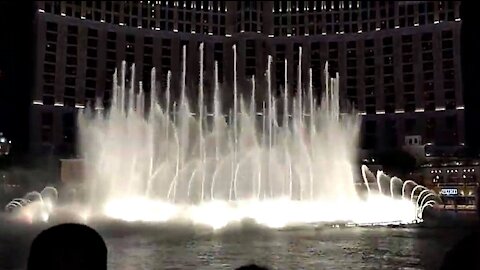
[152, 158]
[34, 206]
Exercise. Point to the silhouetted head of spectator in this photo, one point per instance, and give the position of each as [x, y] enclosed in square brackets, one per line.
[68, 246]
[252, 267]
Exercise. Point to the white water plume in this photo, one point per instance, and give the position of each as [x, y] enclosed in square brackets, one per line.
[290, 162]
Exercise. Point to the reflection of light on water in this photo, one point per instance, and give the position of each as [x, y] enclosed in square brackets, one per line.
[271, 213]
[140, 209]
[275, 213]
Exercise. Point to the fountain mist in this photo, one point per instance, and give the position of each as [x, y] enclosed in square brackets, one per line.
[291, 162]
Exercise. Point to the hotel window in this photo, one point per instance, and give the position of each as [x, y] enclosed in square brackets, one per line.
[451, 123]
[70, 91]
[68, 121]
[391, 133]
[448, 70]
[388, 73]
[370, 127]
[70, 81]
[88, 11]
[369, 76]
[72, 54]
[218, 57]
[90, 83]
[48, 6]
[410, 126]
[147, 61]
[130, 49]
[52, 27]
[71, 61]
[352, 72]
[56, 7]
[333, 58]
[51, 37]
[369, 142]
[48, 78]
[51, 47]
[112, 36]
[47, 119]
[92, 43]
[48, 89]
[165, 59]
[48, 99]
[92, 32]
[91, 52]
[49, 68]
[295, 81]
[407, 68]
[316, 64]
[429, 96]
[250, 59]
[69, 11]
[430, 129]
[91, 73]
[280, 67]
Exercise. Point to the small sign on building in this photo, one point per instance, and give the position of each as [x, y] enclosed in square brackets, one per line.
[449, 191]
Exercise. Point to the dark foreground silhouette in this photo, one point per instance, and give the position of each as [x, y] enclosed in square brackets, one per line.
[75, 247]
[466, 253]
[68, 246]
[251, 267]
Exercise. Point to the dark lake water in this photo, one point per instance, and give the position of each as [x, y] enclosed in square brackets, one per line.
[168, 246]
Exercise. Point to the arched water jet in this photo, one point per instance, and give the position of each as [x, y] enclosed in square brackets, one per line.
[33, 196]
[13, 204]
[414, 189]
[420, 196]
[425, 197]
[364, 170]
[47, 191]
[22, 201]
[379, 185]
[429, 203]
[405, 185]
[392, 182]
[34, 205]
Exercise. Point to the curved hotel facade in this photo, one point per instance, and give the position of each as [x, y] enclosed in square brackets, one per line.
[398, 61]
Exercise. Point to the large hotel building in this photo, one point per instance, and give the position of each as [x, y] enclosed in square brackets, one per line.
[398, 61]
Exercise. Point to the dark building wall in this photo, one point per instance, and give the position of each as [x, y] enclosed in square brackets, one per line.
[398, 61]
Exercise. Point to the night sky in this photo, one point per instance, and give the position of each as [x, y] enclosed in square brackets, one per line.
[471, 82]
[16, 67]
[17, 62]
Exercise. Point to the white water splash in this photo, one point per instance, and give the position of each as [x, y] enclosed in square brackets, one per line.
[290, 162]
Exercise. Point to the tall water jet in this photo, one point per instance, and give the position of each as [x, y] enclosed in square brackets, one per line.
[234, 116]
